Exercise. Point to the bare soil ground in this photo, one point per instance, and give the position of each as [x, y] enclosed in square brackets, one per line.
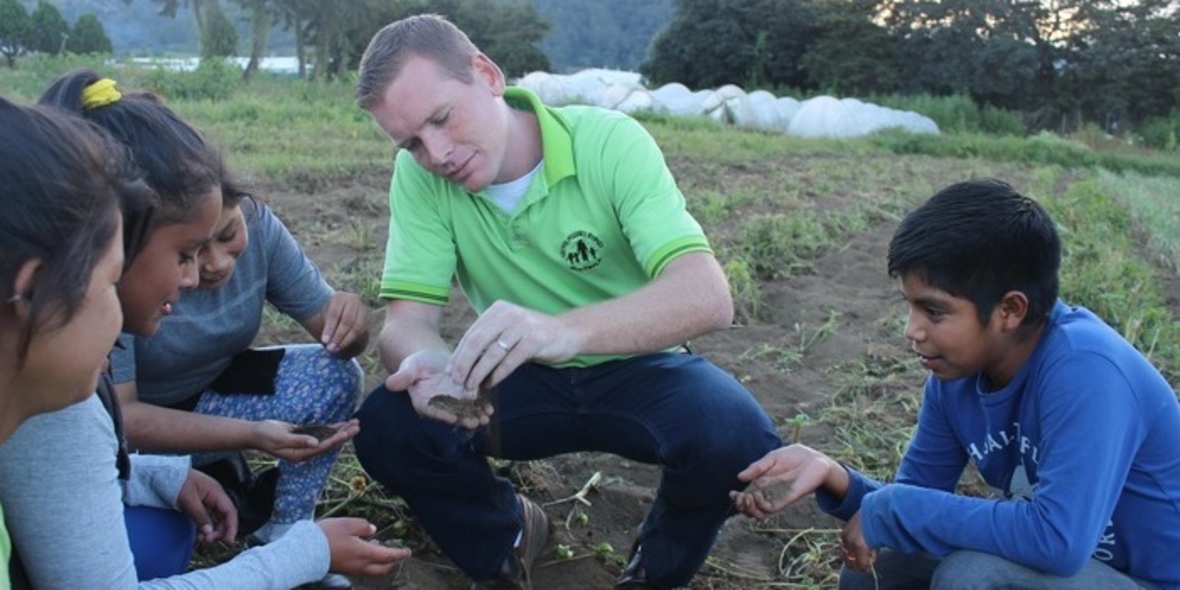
[825, 359]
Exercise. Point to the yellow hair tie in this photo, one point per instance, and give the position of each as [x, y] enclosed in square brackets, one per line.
[100, 94]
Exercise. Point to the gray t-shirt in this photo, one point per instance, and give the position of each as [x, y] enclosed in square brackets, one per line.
[208, 327]
[63, 504]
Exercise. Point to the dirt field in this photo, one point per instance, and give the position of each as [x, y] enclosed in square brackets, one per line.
[825, 356]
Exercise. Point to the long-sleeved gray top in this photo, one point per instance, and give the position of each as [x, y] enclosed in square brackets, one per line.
[63, 503]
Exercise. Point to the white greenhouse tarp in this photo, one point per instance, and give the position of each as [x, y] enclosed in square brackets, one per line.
[822, 116]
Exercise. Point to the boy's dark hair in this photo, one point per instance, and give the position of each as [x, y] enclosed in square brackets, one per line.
[979, 240]
[62, 182]
[176, 161]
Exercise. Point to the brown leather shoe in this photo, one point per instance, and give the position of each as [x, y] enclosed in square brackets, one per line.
[514, 573]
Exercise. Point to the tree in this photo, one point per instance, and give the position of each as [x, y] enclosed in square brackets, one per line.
[49, 29]
[852, 54]
[260, 19]
[1099, 60]
[219, 39]
[699, 52]
[88, 36]
[296, 17]
[1126, 68]
[170, 8]
[998, 52]
[601, 33]
[508, 32]
[325, 28]
[714, 42]
[15, 30]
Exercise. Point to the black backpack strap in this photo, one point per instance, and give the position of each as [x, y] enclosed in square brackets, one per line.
[110, 401]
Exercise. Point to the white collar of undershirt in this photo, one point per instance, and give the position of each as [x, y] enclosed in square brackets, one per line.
[508, 194]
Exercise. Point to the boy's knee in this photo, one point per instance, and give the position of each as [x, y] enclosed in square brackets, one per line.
[970, 570]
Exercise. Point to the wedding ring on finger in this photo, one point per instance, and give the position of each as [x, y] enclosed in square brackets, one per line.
[503, 345]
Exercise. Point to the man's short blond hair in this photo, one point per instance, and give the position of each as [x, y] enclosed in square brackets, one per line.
[426, 35]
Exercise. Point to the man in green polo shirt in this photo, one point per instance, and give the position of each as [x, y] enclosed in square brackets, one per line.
[569, 237]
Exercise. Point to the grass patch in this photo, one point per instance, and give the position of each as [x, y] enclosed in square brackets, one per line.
[1040, 149]
[1154, 208]
[873, 412]
[1104, 270]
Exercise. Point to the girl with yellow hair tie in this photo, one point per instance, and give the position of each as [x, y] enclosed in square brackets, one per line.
[85, 512]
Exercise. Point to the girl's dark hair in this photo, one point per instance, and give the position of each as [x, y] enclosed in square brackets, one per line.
[61, 185]
[232, 192]
[176, 161]
[979, 240]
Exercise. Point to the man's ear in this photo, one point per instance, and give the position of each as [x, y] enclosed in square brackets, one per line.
[1012, 310]
[487, 72]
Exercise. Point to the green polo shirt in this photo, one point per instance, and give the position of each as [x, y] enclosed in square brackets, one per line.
[602, 219]
[5, 553]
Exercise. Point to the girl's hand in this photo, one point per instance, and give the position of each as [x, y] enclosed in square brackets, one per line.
[346, 325]
[203, 499]
[353, 553]
[280, 439]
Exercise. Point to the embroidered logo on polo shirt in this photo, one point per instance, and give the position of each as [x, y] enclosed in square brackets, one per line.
[582, 250]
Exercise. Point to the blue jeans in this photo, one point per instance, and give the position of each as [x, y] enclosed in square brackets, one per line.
[161, 540]
[972, 570]
[675, 410]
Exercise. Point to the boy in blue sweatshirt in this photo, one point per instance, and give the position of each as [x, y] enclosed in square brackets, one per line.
[1078, 434]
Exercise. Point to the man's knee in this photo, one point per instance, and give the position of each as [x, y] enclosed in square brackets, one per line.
[394, 439]
[380, 438]
[740, 432]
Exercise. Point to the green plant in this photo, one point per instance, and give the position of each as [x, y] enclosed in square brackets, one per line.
[745, 290]
[606, 552]
[1161, 133]
[796, 424]
[779, 246]
[214, 79]
[957, 113]
[581, 518]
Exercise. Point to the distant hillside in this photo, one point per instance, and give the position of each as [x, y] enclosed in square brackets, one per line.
[601, 33]
[136, 28]
[584, 33]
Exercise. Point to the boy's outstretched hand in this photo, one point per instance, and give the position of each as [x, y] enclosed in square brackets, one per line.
[783, 476]
[857, 553]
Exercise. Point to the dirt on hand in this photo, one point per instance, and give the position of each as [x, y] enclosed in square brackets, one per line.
[771, 492]
[461, 408]
[319, 431]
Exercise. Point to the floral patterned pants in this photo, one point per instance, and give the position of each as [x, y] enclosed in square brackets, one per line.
[311, 387]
